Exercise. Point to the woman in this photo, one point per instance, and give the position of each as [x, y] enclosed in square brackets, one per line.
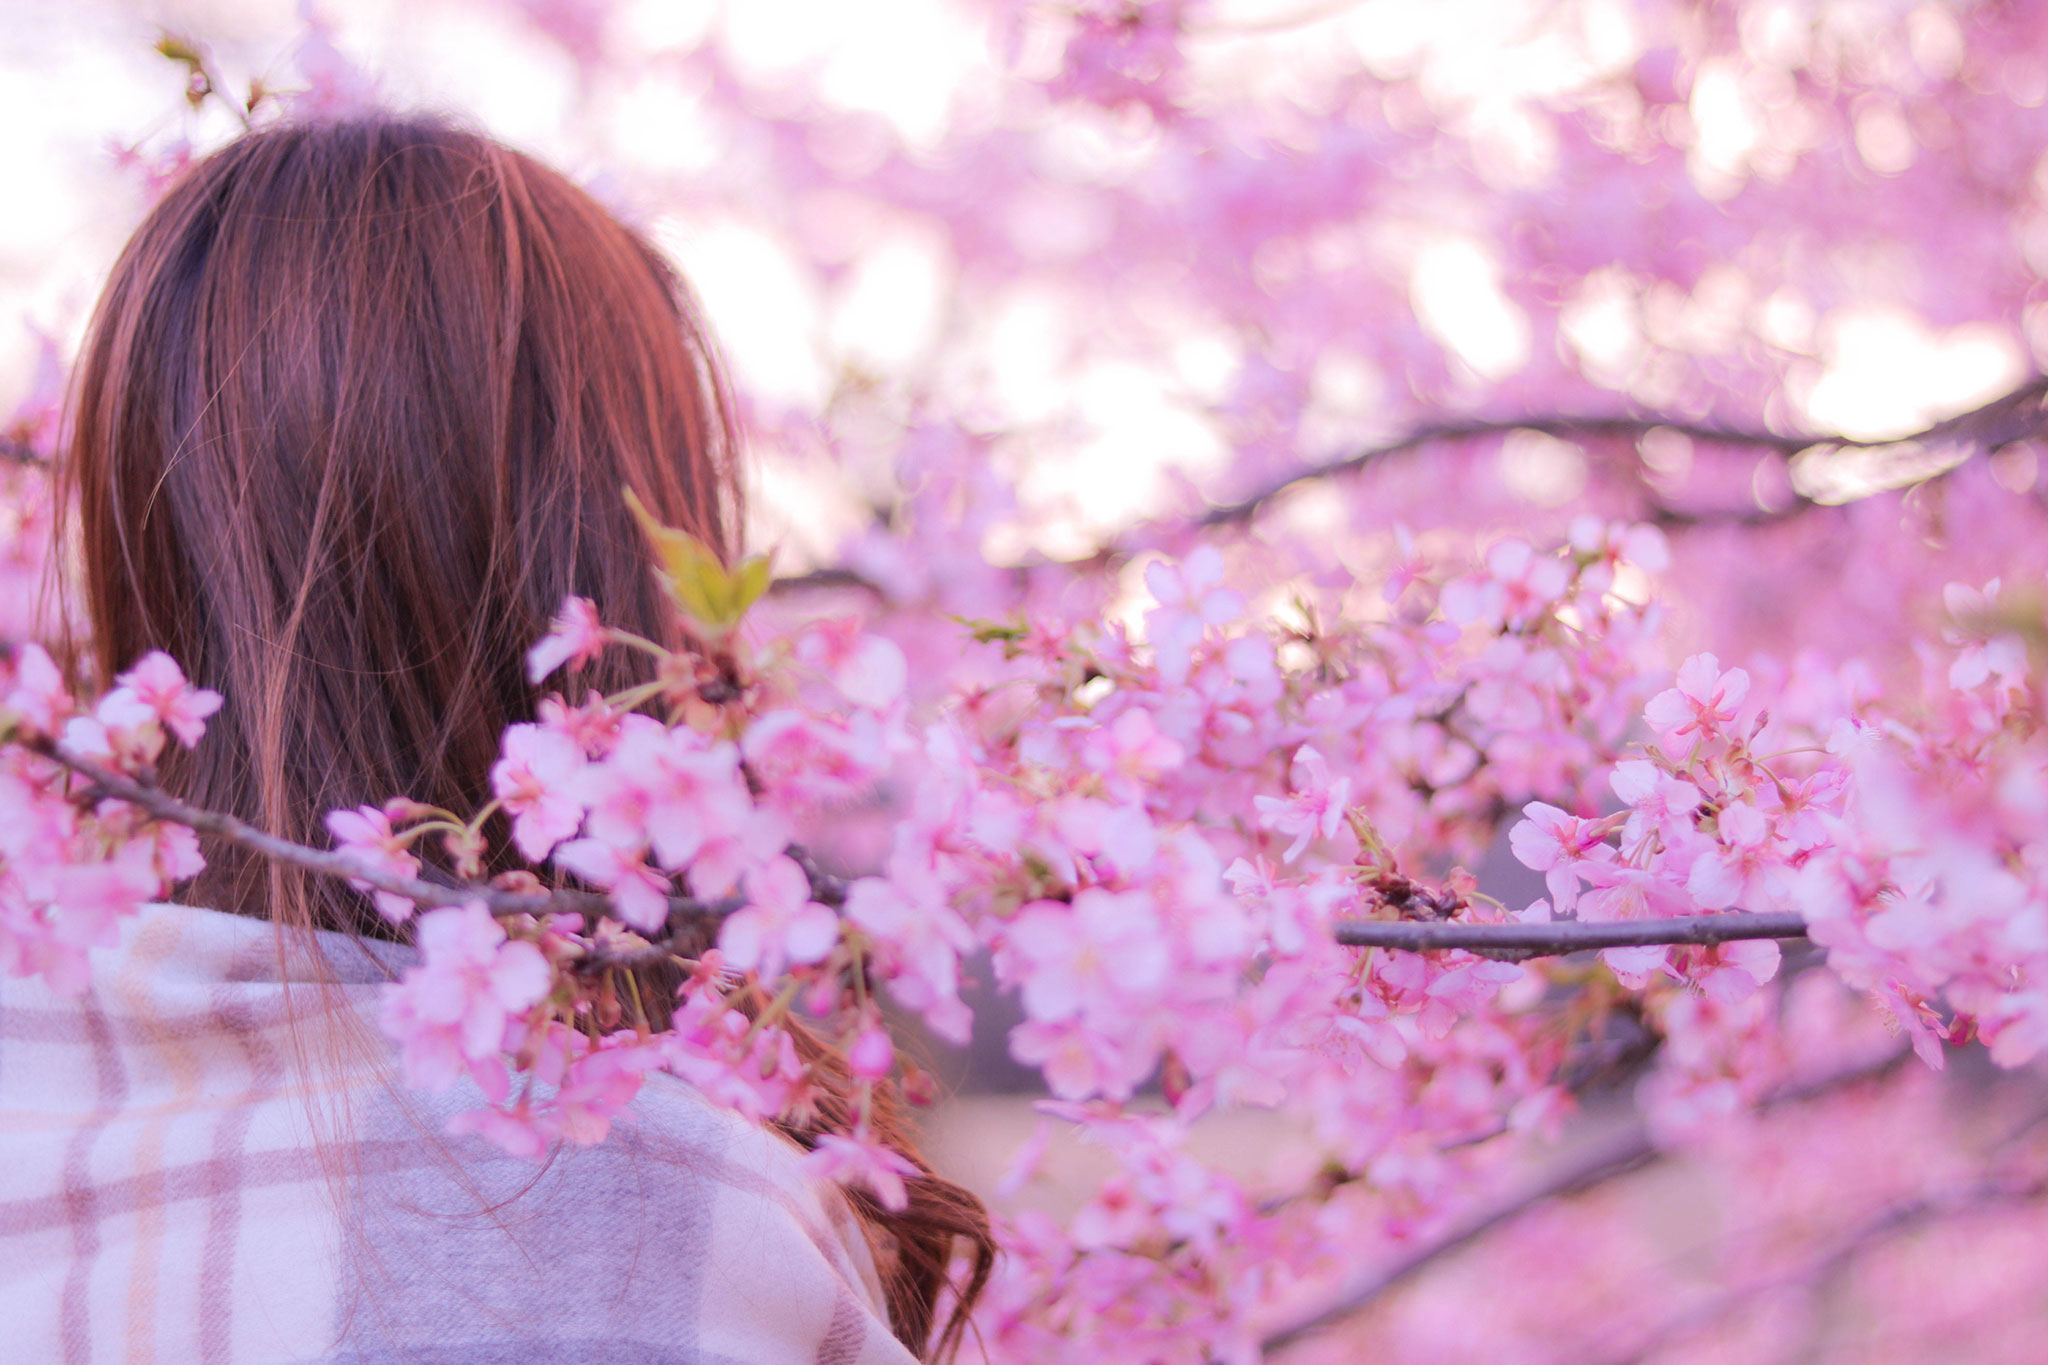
[354, 416]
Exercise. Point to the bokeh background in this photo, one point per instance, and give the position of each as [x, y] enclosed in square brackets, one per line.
[919, 226]
[817, 294]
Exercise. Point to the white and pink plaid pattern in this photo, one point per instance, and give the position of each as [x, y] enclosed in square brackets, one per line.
[162, 1197]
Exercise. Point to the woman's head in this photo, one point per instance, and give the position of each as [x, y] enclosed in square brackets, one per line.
[358, 409]
[356, 413]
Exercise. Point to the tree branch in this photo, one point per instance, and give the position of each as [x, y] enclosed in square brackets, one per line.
[691, 917]
[1629, 1150]
[1551, 938]
[2010, 417]
[1548, 424]
[818, 580]
[1897, 1220]
[1894, 1220]
[687, 915]
[1991, 426]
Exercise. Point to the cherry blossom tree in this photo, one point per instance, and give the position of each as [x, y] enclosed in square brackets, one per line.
[1464, 581]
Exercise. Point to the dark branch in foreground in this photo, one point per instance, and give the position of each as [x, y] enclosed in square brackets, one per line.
[686, 915]
[1551, 938]
[693, 919]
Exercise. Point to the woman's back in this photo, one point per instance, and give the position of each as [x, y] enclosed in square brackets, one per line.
[166, 1197]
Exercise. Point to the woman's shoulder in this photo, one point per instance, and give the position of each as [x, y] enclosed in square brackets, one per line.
[686, 1227]
[180, 1123]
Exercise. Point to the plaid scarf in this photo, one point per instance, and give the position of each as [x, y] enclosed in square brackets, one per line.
[163, 1198]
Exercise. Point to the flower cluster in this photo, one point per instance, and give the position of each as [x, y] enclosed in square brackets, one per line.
[1156, 834]
[71, 867]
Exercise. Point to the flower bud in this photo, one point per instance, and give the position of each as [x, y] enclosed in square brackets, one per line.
[872, 1056]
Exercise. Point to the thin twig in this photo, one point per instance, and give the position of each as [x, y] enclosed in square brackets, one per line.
[1551, 938]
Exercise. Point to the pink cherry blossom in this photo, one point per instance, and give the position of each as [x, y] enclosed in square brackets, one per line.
[803, 761]
[35, 690]
[921, 940]
[1700, 707]
[1563, 847]
[754, 1072]
[860, 1160]
[451, 1011]
[574, 638]
[780, 924]
[1518, 585]
[639, 891]
[52, 919]
[1131, 747]
[1984, 651]
[158, 684]
[1730, 972]
[1659, 803]
[593, 1080]
[871, 1055]
[1077, 1062]
[364, 836]
[1191, 597]
[1090, 957]
[534, 780]
[1314, 809]
[1742, 869]
[1408, 568]
[1609, 545]
[673, 791]
[593, 726]
[869, 670]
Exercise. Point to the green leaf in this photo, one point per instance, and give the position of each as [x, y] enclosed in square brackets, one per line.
[752, 580]
[992, 632]
[696, 579]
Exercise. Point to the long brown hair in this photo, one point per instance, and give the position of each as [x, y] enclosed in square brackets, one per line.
[354, 416]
